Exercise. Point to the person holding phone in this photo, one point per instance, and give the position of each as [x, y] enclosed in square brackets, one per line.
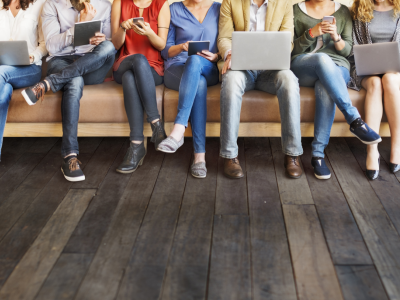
[378, 22]
[322, 41]
[71, 68]
[191, 20]
[139, 31]
[20, 21]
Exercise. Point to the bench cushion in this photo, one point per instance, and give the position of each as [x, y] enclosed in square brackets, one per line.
[258, 106]
[102, 103]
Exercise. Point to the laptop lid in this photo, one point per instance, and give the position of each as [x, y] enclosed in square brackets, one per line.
[375, 59]
[14, 53]
[264, 50]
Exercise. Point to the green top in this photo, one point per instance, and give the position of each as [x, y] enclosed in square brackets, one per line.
[304, 43]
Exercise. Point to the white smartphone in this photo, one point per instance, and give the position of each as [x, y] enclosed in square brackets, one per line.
[328, 19]
[136, 21]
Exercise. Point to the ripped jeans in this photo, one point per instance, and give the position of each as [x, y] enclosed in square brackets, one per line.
[330, 81]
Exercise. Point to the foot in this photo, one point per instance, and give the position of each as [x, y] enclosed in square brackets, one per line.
[72, 170]
[321, 170]
[394, 167]
[170, 145]
[373, 174]
[133, 158]
[34, 93]
[293, 168]
[364, 133]
[199, 170]
[372, 158]
[232, 168]
[158, 133]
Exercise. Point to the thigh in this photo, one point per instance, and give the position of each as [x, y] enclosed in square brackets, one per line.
[303, 67]
[243, 80]
[21, 76]
[173, 75]
[267, 80]
[58, 63]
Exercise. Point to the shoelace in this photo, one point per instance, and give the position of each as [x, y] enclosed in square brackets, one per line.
[39, 90]
[73, 164]
[235, 160]
[294, 160]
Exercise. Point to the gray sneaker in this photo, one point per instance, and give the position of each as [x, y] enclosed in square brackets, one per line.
[199, 170]
[170, 145]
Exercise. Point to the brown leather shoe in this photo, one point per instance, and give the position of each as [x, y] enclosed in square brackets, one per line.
[293, 168]
[232, 168]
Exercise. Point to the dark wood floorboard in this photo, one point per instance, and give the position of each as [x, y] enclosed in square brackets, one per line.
[384, 149]
[159, 233]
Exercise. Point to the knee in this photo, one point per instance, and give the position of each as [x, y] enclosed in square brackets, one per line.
[139, 60]
[287, 80]
[107, 48]
[374, 84]
[6, 94]
[233, 81]
[321, 58]
[193, 61]
[390, 81]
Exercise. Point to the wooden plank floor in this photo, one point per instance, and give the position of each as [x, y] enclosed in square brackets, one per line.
[159, 233]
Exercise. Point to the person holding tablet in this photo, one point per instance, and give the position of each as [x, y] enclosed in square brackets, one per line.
[191, 20]
[140, 68]
[257, 15]
[378, 22]
[70, 68]
[20, 21]
[322, 41]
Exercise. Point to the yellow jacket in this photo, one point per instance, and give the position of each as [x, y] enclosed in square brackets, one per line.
[235, 16]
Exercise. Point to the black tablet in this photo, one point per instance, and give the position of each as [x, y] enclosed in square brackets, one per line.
[84, 31]
[195, 47]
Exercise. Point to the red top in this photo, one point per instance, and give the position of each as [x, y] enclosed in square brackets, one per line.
[140, 44]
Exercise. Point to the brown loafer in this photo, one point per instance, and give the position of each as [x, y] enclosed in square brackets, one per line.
[293, 168]
[232, 168]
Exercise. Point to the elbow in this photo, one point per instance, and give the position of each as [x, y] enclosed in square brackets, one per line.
[161, 47]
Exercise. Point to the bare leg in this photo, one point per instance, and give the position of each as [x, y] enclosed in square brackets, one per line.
[391, 88]
[139, 142]
[373, 115]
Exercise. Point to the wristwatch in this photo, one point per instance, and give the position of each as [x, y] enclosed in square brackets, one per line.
[340, 38]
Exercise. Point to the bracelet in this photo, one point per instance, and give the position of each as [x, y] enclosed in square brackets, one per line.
[340, 38]
[310, 33]
[120, 25]
[163, 27]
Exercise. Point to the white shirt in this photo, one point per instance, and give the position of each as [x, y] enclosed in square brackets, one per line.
[26, 26]
[59, 18]
[320, 41]
[257, 18]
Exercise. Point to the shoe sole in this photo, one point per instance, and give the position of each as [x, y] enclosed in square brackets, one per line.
[195, 176]
[293, 177]
[231, 177]
[27, 99]
[323, 176]
[131, 171]
[73, 179]
[368, 143]
[166, 151]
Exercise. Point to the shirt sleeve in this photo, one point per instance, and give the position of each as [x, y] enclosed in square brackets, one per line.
[55, 40]
[40, 51]
[347, 36]
[170, 41]
[106, 26]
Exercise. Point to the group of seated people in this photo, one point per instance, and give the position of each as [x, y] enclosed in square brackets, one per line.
[155, 51]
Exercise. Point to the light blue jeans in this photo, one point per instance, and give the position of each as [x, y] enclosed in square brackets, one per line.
[14, 78]
[330, 81]
[192, 79]
[281, 83]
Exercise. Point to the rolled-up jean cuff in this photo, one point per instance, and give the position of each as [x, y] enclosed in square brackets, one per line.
[149, 120]
[228, 156]
[292, 154]
[65, 153]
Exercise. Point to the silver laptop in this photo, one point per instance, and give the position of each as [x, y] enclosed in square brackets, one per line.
[266, 50]
[375, 59]
[14, 53]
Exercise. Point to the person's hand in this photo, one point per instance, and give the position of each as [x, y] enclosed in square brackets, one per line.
[97, 39]
[227, 64]
[31, 58]
[213, 57]
[317, 29]
[145, 28]
[185, 46]
[88, 13]
[331, 29]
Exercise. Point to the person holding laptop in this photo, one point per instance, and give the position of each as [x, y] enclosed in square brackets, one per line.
[257, 15]
[20, 21]
[322, 41]
[140, 68]
[191, 20]
[70, 68]
[378, 23]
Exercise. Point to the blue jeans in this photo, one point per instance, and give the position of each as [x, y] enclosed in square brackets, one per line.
[191, 80]
[14, 78]
[330, 81]
[281, 83]
[69, 74]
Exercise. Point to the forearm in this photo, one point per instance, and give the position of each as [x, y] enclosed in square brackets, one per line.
[58, 42]
[118, 38]
[156, 41]
[175, 50]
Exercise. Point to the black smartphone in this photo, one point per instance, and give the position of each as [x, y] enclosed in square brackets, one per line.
[136, 21]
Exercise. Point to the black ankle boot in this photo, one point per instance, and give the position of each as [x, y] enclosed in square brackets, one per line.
[158, 133]
[133, 158]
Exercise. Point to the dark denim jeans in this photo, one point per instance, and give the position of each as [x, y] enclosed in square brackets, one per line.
[14, 78]
[69, 74]
[191, 80]
[139, 82]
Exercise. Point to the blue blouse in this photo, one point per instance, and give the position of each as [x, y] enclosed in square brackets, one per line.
[185, 27]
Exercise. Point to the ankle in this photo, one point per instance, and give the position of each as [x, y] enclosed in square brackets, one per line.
[136, 142]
